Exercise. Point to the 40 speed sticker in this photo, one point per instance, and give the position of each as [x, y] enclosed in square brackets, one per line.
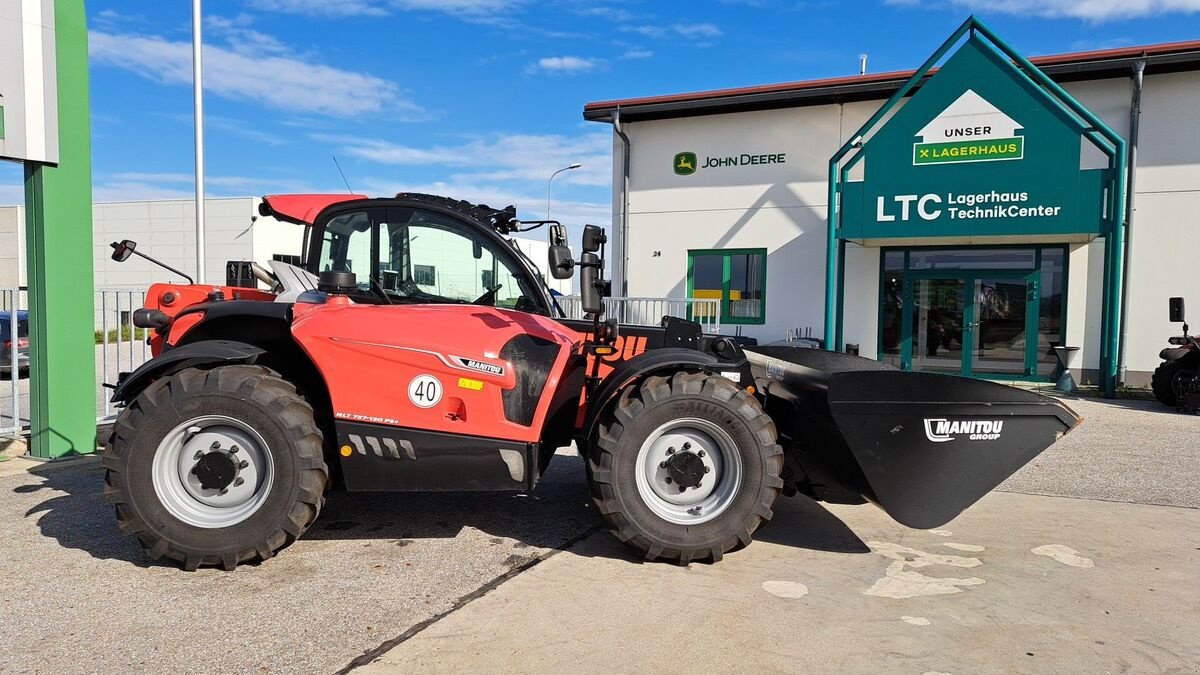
[425, 391]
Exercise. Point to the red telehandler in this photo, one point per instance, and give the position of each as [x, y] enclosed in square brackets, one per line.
[416, 348]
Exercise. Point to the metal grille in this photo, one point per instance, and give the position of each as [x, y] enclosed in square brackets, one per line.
[120, 346]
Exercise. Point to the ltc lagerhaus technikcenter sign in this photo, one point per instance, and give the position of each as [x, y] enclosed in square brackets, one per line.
[979, 150]
[987, 149]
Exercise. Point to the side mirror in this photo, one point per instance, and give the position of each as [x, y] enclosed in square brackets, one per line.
[593, 238]
[590, 297]
[123, 249]
[557, 235]
[1176, 310]
[477, 250]
[561, 264]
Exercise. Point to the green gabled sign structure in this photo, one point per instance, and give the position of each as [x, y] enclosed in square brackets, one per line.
[987, 146]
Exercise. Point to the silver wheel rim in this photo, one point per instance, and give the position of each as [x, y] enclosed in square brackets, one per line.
[719, 485]
[180, 491]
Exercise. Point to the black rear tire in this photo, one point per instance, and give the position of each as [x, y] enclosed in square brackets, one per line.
[1163, 382]
[645, 407]
[257, 398]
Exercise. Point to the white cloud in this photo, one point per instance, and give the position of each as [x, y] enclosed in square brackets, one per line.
[569, 65]
[348, 8]
[637, 54]
[688, 30]
[1088, 10]
[237, 71]
[142, 185]
[497, 157]
[695, 30]
[531, 205]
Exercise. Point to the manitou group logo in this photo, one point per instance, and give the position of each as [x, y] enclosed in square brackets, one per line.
[685, 163]
[942, 430]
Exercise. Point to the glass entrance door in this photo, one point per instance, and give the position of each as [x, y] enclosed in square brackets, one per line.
[971, 323]
[938, 310]
[1000, 326]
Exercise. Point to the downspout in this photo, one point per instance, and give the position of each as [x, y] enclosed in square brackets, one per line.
[1135, 122]
[624, 227]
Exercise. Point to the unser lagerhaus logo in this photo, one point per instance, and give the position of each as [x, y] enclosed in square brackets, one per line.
[969, 130]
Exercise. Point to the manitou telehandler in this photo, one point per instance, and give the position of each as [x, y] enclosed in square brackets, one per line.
[416, 348]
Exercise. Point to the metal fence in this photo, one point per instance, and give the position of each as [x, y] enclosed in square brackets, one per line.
[120, 346]
[650, 311]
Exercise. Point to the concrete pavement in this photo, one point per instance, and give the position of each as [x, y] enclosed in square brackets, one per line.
[1017, 584]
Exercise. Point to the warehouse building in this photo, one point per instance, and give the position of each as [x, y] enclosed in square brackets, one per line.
[234, 230]
[976, 252]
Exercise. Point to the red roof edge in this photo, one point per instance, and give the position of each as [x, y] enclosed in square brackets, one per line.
[1050, 60]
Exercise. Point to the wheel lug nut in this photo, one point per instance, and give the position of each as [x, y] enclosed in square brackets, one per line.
[662, 465]
[670, 451]
[233, 449]
[687, 446]
[243, 464]
[701, 453]
[216, 445]
[707, 469]
[668, 479]
[698, 485]
[198, 455]
[238, 481]
[681, 488]
[224, 490]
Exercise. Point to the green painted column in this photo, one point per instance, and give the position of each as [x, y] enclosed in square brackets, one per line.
[58, 225]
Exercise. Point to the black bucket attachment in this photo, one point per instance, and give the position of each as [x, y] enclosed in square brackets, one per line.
[922, 446]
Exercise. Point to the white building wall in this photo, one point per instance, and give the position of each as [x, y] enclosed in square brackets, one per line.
[783, 207]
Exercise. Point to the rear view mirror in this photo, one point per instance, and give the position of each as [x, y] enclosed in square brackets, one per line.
[557, 235]
[477, 250]
[561, 264]
[590, 297]
[123, 249]
[1176, 310]
[593, 238]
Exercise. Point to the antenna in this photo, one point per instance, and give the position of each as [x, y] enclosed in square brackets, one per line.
[862, 64]
[343, 174]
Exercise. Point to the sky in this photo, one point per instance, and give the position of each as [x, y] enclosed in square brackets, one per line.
[482, 99]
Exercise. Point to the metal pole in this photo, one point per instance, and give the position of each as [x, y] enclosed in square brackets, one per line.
[550, 184]
[198, 98]
[1135, 123]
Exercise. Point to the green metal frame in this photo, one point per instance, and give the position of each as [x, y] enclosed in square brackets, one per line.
[1103, 137]
[726, 253]
[58, 222]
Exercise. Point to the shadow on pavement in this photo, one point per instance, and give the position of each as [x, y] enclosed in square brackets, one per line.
[556, 514]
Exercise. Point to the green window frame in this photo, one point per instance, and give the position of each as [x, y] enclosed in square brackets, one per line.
[726, 255]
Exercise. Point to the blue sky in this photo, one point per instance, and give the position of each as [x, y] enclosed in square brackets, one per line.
[482, 99]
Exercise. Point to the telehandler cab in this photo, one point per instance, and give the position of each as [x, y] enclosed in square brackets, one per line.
[417, 349]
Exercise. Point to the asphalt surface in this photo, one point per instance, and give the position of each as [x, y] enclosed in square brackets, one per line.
[78, 596]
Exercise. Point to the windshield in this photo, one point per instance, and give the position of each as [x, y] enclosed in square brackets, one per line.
[423, 256]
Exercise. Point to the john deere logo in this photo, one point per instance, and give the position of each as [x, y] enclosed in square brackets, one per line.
[685, 163]
[969, 130]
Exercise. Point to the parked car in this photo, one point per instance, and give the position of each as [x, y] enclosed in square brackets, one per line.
[6, 342]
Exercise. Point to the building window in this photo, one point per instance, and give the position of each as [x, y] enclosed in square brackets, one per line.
[736, 277]
[424, 275]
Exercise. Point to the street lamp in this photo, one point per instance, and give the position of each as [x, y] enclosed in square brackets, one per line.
[550, 184]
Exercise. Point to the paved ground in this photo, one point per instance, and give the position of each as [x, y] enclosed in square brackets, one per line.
[1017, 584]
[443, 582]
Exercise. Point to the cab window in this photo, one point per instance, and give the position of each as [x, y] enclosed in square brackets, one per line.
[430, 257]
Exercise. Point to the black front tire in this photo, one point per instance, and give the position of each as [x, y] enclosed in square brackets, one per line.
[252, 395]
[1166, 376]
[613, 456]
